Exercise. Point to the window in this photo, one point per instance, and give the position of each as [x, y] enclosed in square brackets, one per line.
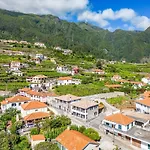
[19, 104]
[119, 127]
[128, 127]
[13, 104]
[148, 146]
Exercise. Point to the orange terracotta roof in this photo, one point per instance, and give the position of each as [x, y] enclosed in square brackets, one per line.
[74, 140]
[116, 76]
[119, 119]
[24, 90]
[40, 76]
[17, 98]
[145, 102]
[84, 104]
[33, 105]
[147, 94]
[36, 115]
[98, 70]
[65, 78]
[32, 92]
[38, 137]
[68, 97]
[114, 86]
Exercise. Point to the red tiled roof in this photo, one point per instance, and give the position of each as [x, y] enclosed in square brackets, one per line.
[68, 97]
[36, 115]
[65, 78]
[24, 90]
[33, 105]
[145, 102]
[74, 140]
[38, 137]
[17, 98]
[119, 119]
[114, 86]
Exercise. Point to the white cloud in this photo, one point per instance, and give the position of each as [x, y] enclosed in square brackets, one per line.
[102, 18]
[56, 7]
[93, 17]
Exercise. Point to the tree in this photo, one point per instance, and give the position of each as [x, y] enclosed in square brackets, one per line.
[46, 146]
[91, 133]
[4, 143]
[74, 127]
[99, 64]
[82, 129]
[35, 131]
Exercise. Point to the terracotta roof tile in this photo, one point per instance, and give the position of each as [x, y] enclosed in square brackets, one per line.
[17, 98]
[119, 119]
[114, 86]
[65, 78]
[84, 104]
[36, 115]
[33, 105]
[68, 97]
[145, 102]
[74, 140]
[40, 76]
[38, 137]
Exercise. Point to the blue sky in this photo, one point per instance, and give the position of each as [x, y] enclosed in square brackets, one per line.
[107, 14]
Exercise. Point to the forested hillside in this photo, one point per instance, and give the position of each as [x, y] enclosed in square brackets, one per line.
[132, 46]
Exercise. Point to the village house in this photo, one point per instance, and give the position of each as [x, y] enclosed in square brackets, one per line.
[39, 79]
[64, 102]
[15, 66]
[41, 56]
[98, 71]
[58, 48]
[14, 102]
[123, 126]
[63, 69]
[84, 109]
[74, 140]
[23, 92]
[33, 111]
[17, 73]
[41, 45]
[116, 77]
[67, 81]
[143, 106]
[36, 139]
[114, 86]
[146, 80]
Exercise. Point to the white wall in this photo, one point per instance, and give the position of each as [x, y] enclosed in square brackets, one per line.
[142, 108]
[27, 112]
[144, 146]
[90, 147]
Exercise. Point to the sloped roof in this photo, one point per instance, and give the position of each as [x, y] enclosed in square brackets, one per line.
[36, 115]
[17, 98]
[74, 140]
[145, 102]
[119, 119]
[24, 90]
[113, 86]
[38, 137]
[33, 105]
[68, 97]
[84, 104]
[65, 78]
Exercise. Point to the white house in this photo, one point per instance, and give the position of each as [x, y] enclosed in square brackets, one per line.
[143, 106]
[15, 66]
[84, 109]
[34, 111]
[146, 80]
[64, 102]
[36, 139]
[17, 73]
[116, 77]
[67, 81]
[14, 102]
[39, 79]
[123, 126]
[41, 56]
[38, 44]
[74, 140]
[98, 71]
[63, 69]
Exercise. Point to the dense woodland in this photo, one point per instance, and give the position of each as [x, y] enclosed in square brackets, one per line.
[132, 46]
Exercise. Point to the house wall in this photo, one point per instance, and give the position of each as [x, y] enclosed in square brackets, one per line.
[12, 105]
[27, 112]
[64, 82]
[89, 113]
[142, 108]
[34, 143]
[90, 146]
[144, 146]
[123, 127]
[63, 105]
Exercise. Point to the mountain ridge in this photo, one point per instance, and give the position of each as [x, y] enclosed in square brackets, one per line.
[81, 37]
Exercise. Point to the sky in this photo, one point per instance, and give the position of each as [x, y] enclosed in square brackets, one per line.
[107, 14]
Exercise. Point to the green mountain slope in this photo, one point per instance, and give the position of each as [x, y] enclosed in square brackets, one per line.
[80, 37]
